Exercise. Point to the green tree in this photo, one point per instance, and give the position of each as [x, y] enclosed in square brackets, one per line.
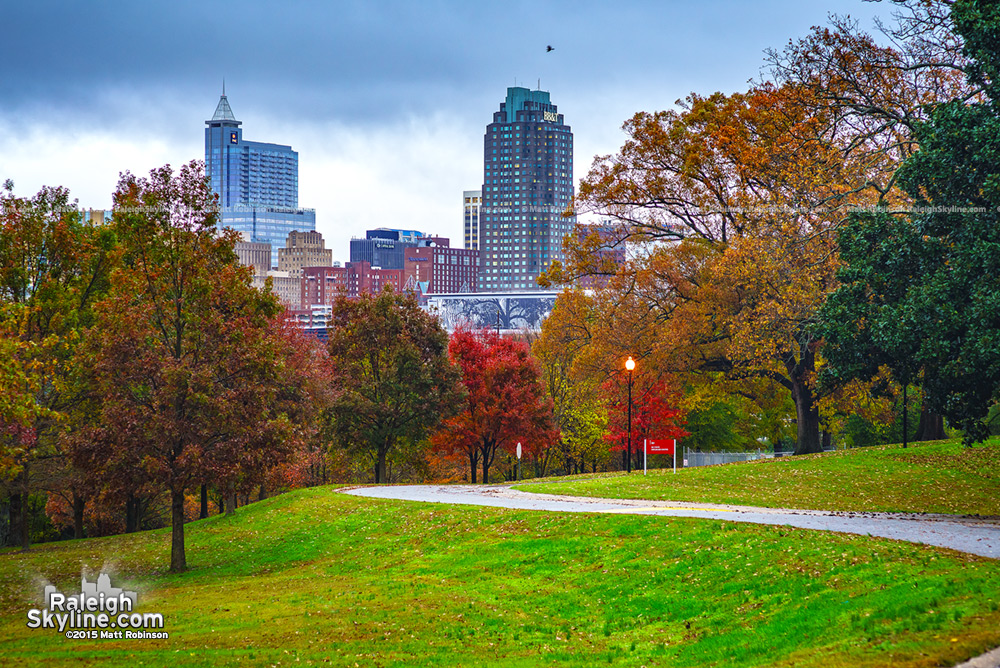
[53, 267]
[396, 384]
[921, 292]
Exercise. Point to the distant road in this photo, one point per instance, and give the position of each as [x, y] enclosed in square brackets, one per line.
[966, 534]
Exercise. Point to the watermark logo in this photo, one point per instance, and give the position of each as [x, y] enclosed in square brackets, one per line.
[99, 611]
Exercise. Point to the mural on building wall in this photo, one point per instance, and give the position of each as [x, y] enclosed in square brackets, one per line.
[515, 312]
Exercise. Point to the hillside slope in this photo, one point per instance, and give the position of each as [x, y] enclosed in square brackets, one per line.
[317, 577]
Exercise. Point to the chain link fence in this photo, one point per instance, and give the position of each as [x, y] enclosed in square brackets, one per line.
[692, 458]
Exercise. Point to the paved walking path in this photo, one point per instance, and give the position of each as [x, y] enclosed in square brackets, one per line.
[966, 534]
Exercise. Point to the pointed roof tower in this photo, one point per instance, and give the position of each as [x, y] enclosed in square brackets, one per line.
[223, 112]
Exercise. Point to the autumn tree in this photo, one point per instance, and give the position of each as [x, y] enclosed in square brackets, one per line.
[655, 411]
[875, 94]
[506, 401]
[183, 355]
[53, 267]
[394, 380]
[305, 392]
[730, 206]
[574, 387]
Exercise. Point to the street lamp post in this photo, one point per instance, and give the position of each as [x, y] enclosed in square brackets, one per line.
[629, 367]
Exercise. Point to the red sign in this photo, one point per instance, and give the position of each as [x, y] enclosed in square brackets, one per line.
[660, 447]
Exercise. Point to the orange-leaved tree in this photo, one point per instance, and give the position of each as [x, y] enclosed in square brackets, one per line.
[730, 206]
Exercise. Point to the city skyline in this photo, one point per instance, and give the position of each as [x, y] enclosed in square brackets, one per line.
[386, 106]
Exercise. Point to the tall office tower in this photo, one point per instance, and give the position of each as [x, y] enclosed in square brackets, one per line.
[257, 183]
[527, 185]
[472, 201]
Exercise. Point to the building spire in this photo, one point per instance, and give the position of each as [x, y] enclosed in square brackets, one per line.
[223, 112]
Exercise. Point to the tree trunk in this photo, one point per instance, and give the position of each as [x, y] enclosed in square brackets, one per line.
[380, 467]
[79, 503]
[178, 561]
[906, 417]
[16, 519]
[807, 416]
[131, 514]
[25, 522]
[204, 502]
[231, 499]
[262, 494]
[827, 440]
[931, 426]
[19, 500]
[484, 453]
[473, 463]
[806, 411]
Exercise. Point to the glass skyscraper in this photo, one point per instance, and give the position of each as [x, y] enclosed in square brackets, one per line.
[257, 183]
[527, 185]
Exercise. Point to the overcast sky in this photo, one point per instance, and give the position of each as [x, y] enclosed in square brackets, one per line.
[386, 102]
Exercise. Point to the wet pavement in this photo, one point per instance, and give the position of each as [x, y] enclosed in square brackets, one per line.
[974, 535]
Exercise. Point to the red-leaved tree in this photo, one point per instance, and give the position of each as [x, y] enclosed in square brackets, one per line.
[506, 404]
[655, 414]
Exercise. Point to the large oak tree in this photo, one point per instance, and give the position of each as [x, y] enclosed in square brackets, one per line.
[920, 290]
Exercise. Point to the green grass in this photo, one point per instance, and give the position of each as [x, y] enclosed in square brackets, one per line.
[938, 477]
[316, 577]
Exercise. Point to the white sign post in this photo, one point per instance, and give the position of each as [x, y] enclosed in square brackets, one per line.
[518, 476]
[645, 454]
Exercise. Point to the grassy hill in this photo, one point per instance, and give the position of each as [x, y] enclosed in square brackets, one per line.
[937, 477]
[316, 577]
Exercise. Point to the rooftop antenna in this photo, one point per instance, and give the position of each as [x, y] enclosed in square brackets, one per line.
[539, 83]
[223, 86]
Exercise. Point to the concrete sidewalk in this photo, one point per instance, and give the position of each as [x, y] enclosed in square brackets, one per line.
[966, 534]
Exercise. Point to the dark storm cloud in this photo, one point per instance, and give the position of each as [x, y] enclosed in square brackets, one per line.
[368, 61]
[353, 58]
